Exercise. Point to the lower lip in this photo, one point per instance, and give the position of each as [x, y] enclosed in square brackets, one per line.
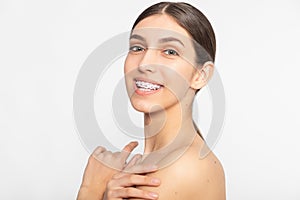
[145, 93]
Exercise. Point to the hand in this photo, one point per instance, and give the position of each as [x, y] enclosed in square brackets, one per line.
[122, 185]
[102, 165]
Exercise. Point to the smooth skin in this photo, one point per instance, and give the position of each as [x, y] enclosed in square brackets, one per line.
[175, 147]
[183, 174]
[119, 174]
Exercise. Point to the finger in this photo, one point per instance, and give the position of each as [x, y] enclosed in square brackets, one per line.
[135, 159]
[97, 153]
[131, 192]
[128, 149]
[98, 150]
[141, 169]
[118, 175]
[126, 180]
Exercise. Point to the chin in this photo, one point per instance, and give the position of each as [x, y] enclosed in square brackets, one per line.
[145, 107]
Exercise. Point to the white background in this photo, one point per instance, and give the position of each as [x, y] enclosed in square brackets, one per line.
[44, 43]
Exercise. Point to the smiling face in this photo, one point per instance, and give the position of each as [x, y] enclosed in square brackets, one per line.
[159, 68]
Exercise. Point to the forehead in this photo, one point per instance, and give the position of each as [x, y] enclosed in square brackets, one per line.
[161, 28]
[162, 21]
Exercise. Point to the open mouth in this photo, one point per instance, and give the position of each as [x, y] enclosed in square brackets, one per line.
[147, 86]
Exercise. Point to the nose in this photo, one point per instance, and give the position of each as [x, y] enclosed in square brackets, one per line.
[147, 62]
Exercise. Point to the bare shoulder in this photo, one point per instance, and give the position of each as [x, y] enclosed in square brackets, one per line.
[191, 177]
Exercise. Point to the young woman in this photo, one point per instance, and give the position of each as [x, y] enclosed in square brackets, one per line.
[171, 55]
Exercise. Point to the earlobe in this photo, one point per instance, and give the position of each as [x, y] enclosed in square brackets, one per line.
[202, 75]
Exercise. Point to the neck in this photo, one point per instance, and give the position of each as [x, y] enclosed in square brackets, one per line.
[169, 128]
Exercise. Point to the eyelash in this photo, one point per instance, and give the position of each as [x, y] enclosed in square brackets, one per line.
[168, 52]
[136, 49]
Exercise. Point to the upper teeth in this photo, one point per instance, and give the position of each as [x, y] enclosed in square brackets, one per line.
[147, 85]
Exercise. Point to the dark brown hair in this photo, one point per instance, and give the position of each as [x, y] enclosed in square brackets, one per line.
[193, 21]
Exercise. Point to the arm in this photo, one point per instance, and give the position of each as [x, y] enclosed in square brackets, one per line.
[103, 165]
[95, 177]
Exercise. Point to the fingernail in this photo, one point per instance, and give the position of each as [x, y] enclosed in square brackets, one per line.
[155, 181]
[154, 195]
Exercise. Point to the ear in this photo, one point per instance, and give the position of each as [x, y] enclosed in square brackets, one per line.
[202, 76]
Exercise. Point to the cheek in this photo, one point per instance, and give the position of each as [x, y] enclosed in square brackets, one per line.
[187, 73]
[178, 79]
[129, 74]
[131, 63]
[181, 72]
[127, 65]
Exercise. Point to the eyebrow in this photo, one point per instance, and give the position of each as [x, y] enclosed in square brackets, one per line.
[162, 40]
[138, 37]
[170, 39]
